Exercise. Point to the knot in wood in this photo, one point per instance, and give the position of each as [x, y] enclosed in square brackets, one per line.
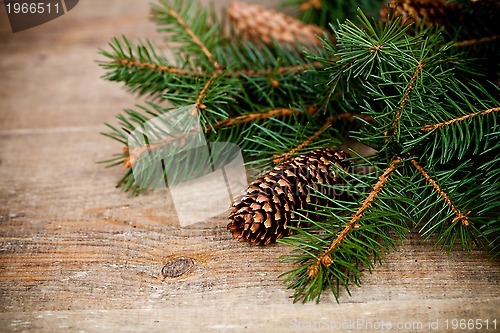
[177, 267]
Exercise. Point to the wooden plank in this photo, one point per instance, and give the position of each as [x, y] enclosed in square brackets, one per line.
[405, 316]
[78, 254]
[71, 242]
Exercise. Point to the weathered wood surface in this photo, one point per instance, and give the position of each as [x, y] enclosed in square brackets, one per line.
[76, 254]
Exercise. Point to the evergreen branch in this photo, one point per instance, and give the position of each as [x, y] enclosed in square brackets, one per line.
[307, 142]
[460, 216]
[203, 94]
[193, 36]
[475, 41]
[279, 71]
[167, 69]
[283, 70]
[137, 152]
[325, 259]
[409, 89]
[352, 117]
[144, 70]
[430, 128]
[174, 14]
[330, 121]
[272, 101]
[251, 117]
[160, 68]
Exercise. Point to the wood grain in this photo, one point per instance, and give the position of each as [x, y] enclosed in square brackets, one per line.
[77, 254]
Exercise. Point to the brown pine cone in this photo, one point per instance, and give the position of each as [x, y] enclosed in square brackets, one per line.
[261, 24]
[437, 12]
[263, 213]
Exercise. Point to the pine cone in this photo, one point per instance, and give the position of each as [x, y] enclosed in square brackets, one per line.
[437, 12]
[258, 23]
[263, 213]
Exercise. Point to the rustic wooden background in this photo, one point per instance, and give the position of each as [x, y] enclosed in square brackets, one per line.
[76, 254]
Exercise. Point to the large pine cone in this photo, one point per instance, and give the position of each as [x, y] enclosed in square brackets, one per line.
[263, 213]
[261, 24]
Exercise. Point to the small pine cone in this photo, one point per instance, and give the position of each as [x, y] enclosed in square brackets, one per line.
[260, 24]
[263, 213]
[437, 12]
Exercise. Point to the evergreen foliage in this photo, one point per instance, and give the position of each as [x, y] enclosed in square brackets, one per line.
[425, 99]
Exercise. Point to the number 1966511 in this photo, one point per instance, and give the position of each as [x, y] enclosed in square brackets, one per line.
[471, 324]
[32, 8]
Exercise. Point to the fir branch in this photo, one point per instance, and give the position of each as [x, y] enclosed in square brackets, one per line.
[476, 41]
[134, 154]
[409, 89]
[203, 94]
[325, 259]
[433, 127]
[283, 70]
[173, 17]
[352, 117]
[144, 70]
[175, 14]
[283, 157]
[160, 68]
[273, 101]
[460, 216]
[252, 117]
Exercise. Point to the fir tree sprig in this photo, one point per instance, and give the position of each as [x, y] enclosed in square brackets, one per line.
[355, 235]
[410, 91]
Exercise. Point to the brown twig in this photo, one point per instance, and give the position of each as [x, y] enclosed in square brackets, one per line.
[279, 70]
[283, 157]
[459, 215]
[202, 94]
[432, 127]
[160, 68]
[135, 153]
[205, 51]
[283, 112]
[476, 41]
[220, 71]
[346, 116]
[325, 258]
[420, 65]
[193, 36]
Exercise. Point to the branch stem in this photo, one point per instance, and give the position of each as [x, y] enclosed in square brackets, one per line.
[136, 152]
[193, 36]
[411, 85]
[476, 41]
[460, 216]
[283, 157]
[220, 71]
[325, 258]
[432, 127]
